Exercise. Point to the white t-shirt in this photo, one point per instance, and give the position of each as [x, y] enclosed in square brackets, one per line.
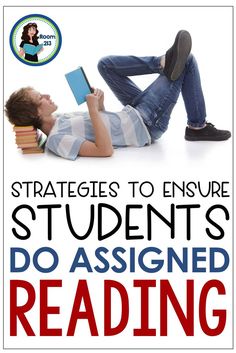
[70, 130]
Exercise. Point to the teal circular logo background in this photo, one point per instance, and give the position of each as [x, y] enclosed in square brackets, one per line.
[46, 45]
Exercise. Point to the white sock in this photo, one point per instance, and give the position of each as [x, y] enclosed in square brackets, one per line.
[197, 128]
[163, 61]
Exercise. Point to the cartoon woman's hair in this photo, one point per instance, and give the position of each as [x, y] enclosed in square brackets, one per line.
[25, 32]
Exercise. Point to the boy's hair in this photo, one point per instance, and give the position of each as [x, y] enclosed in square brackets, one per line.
[21, 110]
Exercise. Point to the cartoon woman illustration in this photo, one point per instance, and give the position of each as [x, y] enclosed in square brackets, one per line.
[30, 47]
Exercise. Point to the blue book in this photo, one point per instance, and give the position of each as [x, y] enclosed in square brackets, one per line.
[32, 49]
[79, 84]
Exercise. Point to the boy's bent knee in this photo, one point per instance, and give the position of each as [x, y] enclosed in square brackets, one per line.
[103, 63]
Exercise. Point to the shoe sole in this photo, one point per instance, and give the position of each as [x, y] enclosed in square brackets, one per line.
[181, 48]
[223, 138]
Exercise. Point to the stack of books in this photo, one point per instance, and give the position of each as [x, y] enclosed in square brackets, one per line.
[29, 139]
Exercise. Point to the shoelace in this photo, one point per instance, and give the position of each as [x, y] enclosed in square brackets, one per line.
[210, 125]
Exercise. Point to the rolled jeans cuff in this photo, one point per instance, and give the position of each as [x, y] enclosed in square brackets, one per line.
[191, 124]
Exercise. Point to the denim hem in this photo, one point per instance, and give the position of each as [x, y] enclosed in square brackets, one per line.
[196, 124]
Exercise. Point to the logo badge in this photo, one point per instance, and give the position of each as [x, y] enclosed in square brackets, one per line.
[35, 40]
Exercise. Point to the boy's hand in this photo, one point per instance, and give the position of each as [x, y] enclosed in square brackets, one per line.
[92, 102]
[100, 94]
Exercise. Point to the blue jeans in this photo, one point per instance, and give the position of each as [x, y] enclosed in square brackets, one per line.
[156, 102]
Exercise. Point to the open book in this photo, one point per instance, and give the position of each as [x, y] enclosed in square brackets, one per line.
[32, 49]
[79, 84]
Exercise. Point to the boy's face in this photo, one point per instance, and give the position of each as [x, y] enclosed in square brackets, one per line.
[44, 103]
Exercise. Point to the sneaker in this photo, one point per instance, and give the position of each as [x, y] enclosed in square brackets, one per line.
[208, 133]
[177, 55]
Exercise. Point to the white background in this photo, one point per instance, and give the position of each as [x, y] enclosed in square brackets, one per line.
[88, 34]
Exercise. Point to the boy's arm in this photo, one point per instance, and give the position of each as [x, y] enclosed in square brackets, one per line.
[102, 147]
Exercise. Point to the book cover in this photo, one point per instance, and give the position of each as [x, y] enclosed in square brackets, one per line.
[79, 84]
[27, 144]
[28, 139]
[135, 251]
[32, 150]
[25, 133]
[23, 129]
